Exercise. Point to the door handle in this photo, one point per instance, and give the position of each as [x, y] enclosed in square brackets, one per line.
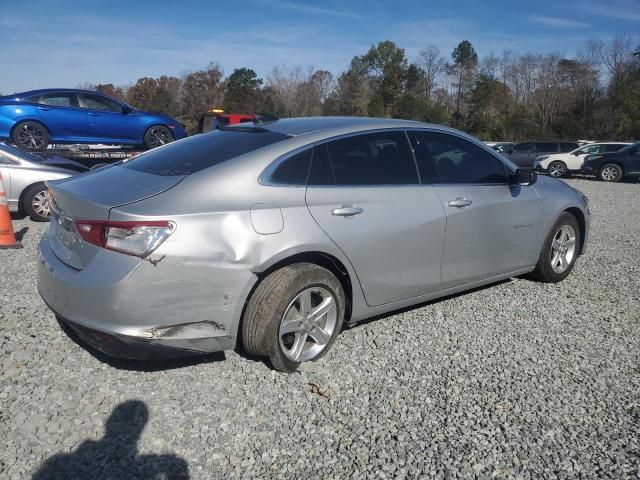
[346, 211]
[460, 202]
[94, 114]
[46, 109]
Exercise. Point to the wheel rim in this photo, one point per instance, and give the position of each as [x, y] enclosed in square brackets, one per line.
[40, 204]
[556, 170]
[609, 174]
[308, 324]
[31, 136]
[563, 248]
[158, 136]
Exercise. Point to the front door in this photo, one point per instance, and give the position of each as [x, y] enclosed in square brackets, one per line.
[364, 192]
[491, 226]
[110, 123]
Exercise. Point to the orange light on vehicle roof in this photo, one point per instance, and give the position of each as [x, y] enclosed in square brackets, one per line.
[217, 110]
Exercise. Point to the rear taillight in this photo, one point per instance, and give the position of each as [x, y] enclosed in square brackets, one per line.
[133, 238]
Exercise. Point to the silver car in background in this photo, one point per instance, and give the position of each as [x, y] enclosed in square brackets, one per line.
[24, 175]
[271, 236]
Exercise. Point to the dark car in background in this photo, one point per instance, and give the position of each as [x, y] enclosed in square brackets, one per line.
[612, 167]
[33, 120]
[523, 154]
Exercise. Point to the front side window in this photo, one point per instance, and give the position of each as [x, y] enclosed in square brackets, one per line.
[98, 102]
[449, 159]
[202, 151]
[590, 149]
[380, 158]
[59, 100]
[613, 148]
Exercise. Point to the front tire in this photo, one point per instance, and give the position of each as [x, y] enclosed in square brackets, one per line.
[156, 136]
[560, 250]
[36, 203]
[557, 169]
[30, 136]
[610, 172]
[294, 315]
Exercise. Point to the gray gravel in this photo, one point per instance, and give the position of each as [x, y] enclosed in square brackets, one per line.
[519, 380]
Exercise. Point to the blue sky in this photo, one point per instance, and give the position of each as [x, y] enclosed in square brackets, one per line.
[47, 43]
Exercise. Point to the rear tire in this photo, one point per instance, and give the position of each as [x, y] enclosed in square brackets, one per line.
[35, 203]
[156, 136]
[30, 136]
[559, 251]
[610, 172]
[279, 321]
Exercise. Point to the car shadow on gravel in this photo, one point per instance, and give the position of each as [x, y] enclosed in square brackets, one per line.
[116, 454]
[141, 365]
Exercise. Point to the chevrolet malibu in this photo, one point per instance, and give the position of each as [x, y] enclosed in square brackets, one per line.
[270, 237]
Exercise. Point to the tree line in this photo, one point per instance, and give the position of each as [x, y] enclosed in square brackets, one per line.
[511, 96]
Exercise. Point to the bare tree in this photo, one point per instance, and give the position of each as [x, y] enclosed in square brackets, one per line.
[433, 64]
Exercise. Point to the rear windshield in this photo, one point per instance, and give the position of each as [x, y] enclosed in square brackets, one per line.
[202, 151]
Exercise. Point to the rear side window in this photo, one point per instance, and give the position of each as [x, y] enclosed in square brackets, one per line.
[293, 170]
[448, 159]
[380, 158]
[60, 99]
[547, 147]
[568, 147]
[202, 151]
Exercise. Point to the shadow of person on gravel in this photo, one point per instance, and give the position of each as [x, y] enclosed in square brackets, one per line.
[115, 456]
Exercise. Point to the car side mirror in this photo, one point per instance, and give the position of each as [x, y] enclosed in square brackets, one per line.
[523, 177]
[126, 109]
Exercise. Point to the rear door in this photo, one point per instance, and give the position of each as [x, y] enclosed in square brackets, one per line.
[61, 113]
[108, 121]
[364, 192]
[491, 226]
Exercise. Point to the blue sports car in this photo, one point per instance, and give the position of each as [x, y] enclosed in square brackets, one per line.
[32, 120]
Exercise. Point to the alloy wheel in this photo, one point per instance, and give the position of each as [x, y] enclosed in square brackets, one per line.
[31, 136]
[609, 174]
[557, 169]
[158, 136]
[308, 324]
[563, 248]
[40, 204]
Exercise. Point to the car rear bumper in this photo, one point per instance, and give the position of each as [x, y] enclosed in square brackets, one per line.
[130, 308]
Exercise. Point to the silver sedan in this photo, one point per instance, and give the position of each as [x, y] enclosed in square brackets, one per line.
[24, 175]
[270, 237]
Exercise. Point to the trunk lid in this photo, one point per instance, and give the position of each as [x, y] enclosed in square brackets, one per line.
[91, 197]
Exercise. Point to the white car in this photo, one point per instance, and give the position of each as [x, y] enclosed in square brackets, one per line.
[559, 164]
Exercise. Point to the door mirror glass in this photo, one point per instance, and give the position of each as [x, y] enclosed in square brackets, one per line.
[523, 177]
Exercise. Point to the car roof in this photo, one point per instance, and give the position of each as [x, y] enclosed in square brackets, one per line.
[43, 91]
[332, 126]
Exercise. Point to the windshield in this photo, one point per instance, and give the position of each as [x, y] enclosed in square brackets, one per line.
[13, 151]
[202, 151]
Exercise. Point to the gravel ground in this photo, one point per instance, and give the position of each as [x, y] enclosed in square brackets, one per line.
[519, 380]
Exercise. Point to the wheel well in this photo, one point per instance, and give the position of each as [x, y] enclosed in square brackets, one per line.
[324, 260]
[23, 193]
[576, 212]
[27, 120]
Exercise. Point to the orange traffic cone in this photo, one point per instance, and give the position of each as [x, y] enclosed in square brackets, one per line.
[7, 237]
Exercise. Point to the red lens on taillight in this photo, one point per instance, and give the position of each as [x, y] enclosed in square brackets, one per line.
[91, 231]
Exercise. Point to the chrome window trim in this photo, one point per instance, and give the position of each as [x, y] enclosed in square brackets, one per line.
[265, 177]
